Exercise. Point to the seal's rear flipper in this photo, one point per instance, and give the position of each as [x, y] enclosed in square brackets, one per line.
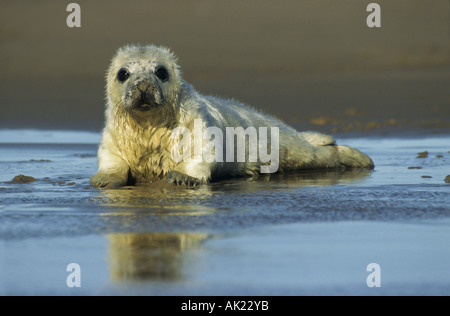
[353, 158]
[318, 139]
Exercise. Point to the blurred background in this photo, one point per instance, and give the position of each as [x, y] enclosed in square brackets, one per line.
[314, 64]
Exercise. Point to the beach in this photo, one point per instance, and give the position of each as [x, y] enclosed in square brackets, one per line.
[316, 65]
[309, 233]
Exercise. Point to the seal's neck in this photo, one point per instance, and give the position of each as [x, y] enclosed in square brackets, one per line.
[144, 146]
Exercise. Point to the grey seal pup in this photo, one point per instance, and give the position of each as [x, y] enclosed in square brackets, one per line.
[150, 108]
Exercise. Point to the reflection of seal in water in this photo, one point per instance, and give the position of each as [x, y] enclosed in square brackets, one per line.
[147, 99]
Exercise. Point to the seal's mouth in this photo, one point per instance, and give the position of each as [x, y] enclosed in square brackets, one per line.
[142, 107]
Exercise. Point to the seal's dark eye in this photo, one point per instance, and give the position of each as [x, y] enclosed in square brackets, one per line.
[162, 73]
[122, 74]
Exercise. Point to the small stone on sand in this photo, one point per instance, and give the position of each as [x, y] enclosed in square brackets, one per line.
[22, 179]
[423, 154]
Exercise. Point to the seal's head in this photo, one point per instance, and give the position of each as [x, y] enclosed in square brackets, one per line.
[143, 80]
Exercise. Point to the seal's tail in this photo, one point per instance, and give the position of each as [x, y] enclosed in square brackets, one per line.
[353, 158]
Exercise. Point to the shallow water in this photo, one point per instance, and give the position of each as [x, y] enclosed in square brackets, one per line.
[304, 233]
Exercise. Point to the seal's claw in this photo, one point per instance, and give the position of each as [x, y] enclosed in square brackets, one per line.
[179, 178]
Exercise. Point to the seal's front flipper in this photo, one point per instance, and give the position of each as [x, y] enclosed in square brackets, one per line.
[108, 181]
[179, 178]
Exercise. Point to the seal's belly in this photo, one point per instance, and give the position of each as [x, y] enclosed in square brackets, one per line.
[145, 174]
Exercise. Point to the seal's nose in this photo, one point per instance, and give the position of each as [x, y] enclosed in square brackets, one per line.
[143, 87]
[142, 93]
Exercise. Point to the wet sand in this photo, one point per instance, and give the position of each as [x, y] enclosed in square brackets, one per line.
[298, 234]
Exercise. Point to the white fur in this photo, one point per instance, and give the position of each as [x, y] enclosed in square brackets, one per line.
[138, 143]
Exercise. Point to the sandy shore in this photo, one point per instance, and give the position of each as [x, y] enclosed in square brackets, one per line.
[314, 64]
